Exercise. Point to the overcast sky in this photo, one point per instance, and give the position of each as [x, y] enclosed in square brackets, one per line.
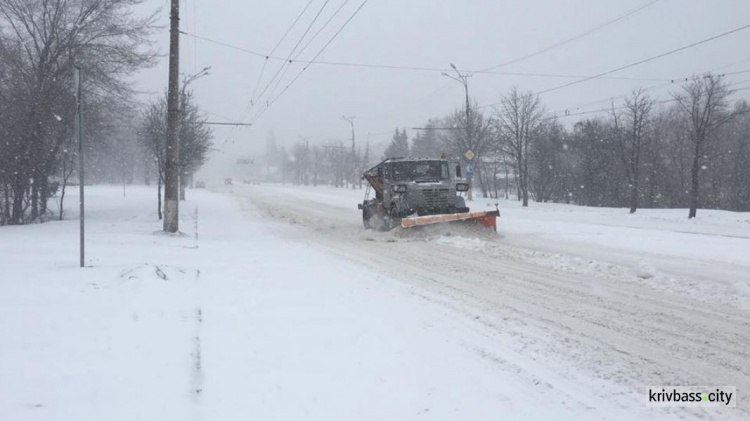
[473, 34]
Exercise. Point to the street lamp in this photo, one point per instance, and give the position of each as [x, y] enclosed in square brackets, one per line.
[185, 82]
[463, 79]
[192, 78]
[350, 119]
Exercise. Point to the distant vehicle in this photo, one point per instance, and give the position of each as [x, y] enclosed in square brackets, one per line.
[417, 191]
[228, 181]
[246, 181]
[200, 184]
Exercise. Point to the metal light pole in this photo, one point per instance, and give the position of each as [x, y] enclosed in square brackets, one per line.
[172, 170]
[463, 79]
[350, 119]
[185, 82]
[79, 139]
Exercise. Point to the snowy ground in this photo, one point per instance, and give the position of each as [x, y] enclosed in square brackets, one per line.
[707, 257]
[275, 304]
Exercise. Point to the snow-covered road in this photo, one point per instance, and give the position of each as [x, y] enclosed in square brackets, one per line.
[563, 322]
[276, 304]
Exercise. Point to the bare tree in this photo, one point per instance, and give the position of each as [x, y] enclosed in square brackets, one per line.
[631, 130]
[195, 139]
[39, 41]
[704, 106]
[301, 162]
[519, 119]
[738, 158]
[473, 132]
[153, 137]
[545, 162]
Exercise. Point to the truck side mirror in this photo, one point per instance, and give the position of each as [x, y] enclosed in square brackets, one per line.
[458, 171]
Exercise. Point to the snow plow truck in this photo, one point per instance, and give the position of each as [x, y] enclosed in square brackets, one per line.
[413, 192]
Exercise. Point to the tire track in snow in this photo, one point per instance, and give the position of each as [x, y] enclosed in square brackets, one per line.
[614, 329]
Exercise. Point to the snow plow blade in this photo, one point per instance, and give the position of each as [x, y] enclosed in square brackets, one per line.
[487, 219]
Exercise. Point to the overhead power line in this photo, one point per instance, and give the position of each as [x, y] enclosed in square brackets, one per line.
[254, 99]
[576, 37]
[221, 123]
[283, 37]
[637, 63]
[415, 68]
[325, 24]
[557, 44]
[602, 75]
[660, 85]
[224, 44]
[567, 113]
[335, 35]
[287, 62]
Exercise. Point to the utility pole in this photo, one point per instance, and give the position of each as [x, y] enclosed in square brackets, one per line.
[350, 119]
[463, 78]
[172, 171]
[79, 140]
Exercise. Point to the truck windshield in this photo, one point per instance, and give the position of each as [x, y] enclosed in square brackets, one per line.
[419, 171]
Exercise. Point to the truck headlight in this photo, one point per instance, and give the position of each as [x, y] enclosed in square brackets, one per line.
[462, 187]
[399, 188]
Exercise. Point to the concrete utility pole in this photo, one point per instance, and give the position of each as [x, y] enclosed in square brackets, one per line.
[463, 78]
[350, 119]
[172, 171]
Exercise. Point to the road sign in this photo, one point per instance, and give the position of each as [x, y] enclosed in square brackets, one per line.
[469, 154]
[469, 172]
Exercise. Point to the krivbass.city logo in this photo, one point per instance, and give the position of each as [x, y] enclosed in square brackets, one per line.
[695, 396]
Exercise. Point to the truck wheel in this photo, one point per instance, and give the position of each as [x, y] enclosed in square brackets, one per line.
[391, 219]
[366, 218]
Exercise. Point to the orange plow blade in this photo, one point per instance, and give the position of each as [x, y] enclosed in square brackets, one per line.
[487, 219]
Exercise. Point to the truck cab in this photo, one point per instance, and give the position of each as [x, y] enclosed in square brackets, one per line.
[411, 186]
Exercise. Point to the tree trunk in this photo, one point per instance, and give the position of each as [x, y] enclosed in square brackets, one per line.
[525, 185]
[6, 204]
[634, 190]
[19, 188]
[694, 189]
[633, 198]
[158, 191]
[525, 196]
[507, 181]
[44, 194]
[35, 197]
[62, 198]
